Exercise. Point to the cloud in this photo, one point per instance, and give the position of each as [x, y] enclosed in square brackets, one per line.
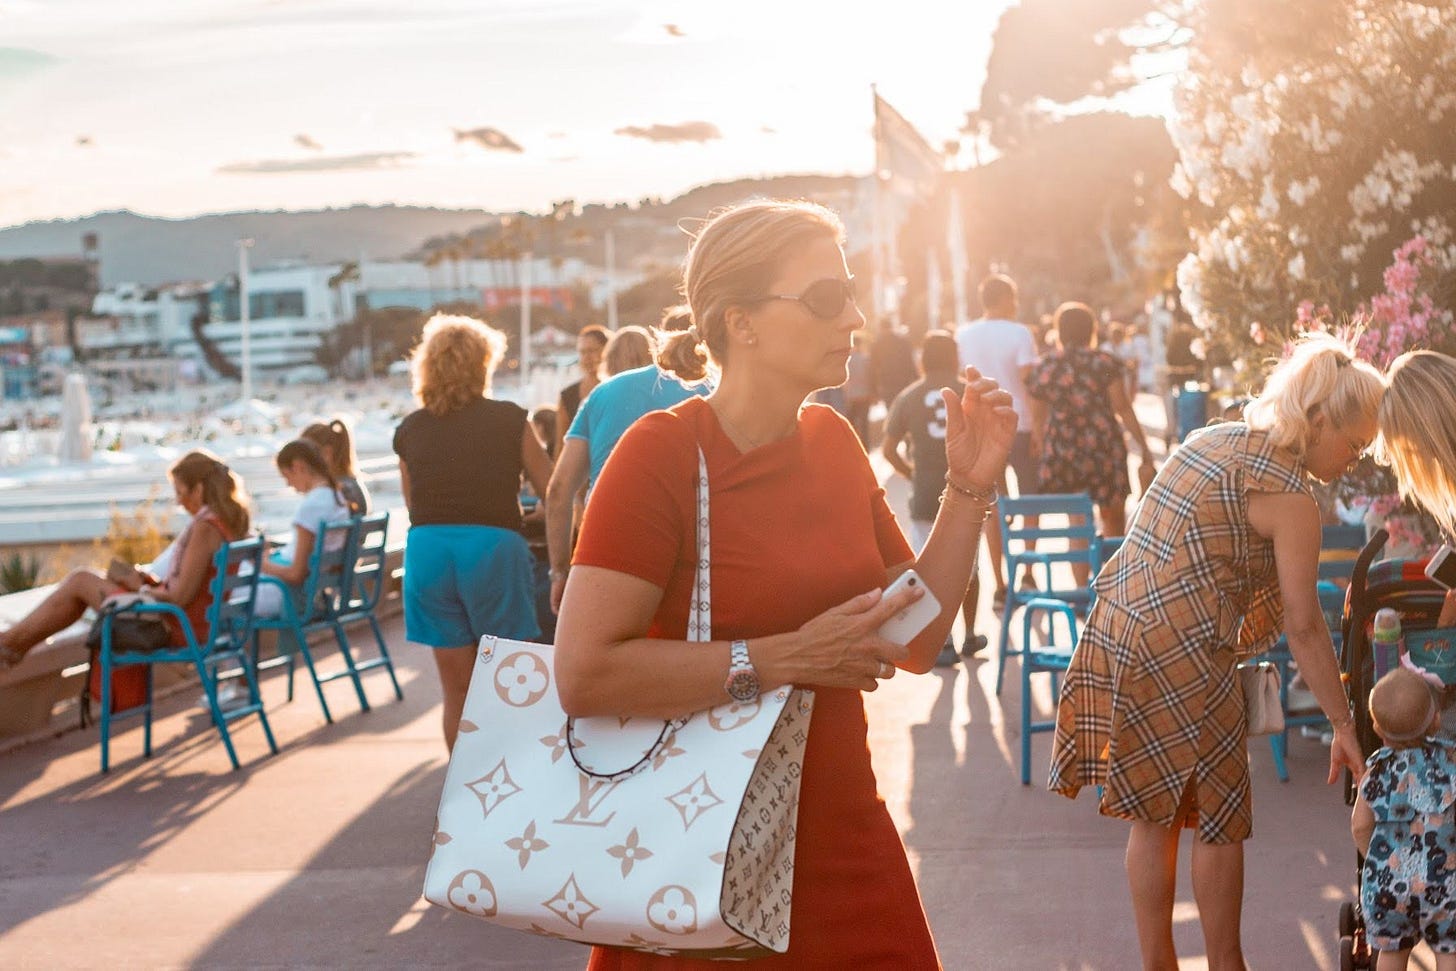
[491, 138]
[19, 62]
[687, 131]
[307, 141]
[673, 30]
[325, 163]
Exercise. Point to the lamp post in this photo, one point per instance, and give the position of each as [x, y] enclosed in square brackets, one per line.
[526, 259]
[243, 246]
[611, 261]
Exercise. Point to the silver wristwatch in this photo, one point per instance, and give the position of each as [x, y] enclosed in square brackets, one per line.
[742, 683]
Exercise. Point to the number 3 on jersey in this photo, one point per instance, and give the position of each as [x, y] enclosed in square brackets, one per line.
[935, 414]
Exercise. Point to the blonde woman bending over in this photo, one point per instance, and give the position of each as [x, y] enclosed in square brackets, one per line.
[1222, 554]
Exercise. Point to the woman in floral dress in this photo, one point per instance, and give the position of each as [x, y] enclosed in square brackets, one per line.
[1079, 410]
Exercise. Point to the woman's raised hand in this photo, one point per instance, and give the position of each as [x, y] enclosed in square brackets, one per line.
[980, 429]
[841, 649]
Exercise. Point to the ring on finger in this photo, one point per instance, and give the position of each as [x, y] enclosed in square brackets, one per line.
[886, 669]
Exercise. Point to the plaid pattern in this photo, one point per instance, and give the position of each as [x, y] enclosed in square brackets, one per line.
[1150, 701]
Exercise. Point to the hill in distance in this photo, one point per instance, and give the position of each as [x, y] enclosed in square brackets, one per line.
[150, 250]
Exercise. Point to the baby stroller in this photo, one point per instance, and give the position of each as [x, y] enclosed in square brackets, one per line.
[1403, 586]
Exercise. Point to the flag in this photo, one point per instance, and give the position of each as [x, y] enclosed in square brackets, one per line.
[907, 165]
[907, 170]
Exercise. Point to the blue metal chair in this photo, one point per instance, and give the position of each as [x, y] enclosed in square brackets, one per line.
[366, 589]
[1051, 658]
[317, 607]
[1057, 504]
[1339, 547]
[229, 620]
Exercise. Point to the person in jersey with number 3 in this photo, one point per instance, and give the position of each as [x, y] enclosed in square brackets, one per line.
[918, 414]
[802, 546]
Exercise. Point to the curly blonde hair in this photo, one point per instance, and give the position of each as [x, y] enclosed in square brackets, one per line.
[1321, 375]
[453, 362]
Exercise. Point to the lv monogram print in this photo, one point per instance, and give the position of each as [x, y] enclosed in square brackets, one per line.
[691, 854]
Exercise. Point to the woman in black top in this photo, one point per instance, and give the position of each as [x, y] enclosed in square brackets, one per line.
[462, 456]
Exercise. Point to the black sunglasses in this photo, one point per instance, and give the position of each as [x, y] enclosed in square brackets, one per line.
[824, 299]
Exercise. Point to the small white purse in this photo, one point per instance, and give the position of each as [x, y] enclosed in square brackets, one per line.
[670, 837]
[1263, 708]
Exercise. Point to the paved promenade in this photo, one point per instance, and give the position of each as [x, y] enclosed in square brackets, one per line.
[315, 857]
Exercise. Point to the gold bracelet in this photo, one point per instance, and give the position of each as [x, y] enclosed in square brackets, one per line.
[986, 497]
[976, 504]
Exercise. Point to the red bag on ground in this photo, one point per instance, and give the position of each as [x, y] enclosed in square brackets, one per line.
[128, 688]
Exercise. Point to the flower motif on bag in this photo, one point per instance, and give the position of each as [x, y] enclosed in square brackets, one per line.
[725, 718]
[472, 893]
[493, 788]
[694, 799]
[556, 743]
[673, 910]
[669, 750]
[526, 844]
[521, 679]
[629, 852]
[570, 904]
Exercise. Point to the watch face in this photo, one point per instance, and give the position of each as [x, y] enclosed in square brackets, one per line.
[742, 685]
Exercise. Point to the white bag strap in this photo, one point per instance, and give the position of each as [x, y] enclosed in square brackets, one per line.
[700, 629]
[700, 613]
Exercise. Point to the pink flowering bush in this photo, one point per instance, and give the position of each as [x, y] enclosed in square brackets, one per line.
[1406, 317]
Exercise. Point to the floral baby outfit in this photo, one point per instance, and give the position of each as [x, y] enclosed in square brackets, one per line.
[1408, 885]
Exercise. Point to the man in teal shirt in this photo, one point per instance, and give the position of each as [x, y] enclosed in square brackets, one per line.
[600, 423]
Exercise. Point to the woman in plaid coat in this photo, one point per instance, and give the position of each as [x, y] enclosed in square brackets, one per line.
[1222, 553]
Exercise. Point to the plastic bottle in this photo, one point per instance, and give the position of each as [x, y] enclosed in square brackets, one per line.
[1386, 642]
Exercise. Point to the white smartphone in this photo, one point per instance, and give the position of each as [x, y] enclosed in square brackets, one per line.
[904, 626]
[1442, 568]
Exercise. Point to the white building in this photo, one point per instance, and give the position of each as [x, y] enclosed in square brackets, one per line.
[293, 307]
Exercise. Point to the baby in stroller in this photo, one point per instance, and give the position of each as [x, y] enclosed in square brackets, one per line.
[1405, 825]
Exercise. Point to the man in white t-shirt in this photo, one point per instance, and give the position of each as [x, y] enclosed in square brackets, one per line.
[1003, 349]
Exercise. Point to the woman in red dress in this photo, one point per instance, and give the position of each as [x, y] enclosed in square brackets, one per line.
[802, 544]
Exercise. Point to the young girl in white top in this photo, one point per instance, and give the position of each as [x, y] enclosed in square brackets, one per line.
[304, 469]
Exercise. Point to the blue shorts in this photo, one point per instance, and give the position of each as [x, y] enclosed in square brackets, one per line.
[463, 582]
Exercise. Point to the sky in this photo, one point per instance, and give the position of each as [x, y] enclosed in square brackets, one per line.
[178, 107]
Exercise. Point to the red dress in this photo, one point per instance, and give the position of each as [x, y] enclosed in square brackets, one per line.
[798, 526]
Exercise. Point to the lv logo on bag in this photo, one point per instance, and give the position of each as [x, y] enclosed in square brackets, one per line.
[674, 838]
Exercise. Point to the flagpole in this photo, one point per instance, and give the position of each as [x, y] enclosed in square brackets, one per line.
[877, 263]
[956, 246]
[244, 325]
[932, 289]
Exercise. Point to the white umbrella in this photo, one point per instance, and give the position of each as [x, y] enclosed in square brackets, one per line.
[76, 431]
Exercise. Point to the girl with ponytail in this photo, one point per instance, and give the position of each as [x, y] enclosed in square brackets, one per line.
[337, 446]
[303, 468]
[215, 499]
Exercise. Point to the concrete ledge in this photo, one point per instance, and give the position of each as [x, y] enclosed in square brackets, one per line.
[47, 682]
